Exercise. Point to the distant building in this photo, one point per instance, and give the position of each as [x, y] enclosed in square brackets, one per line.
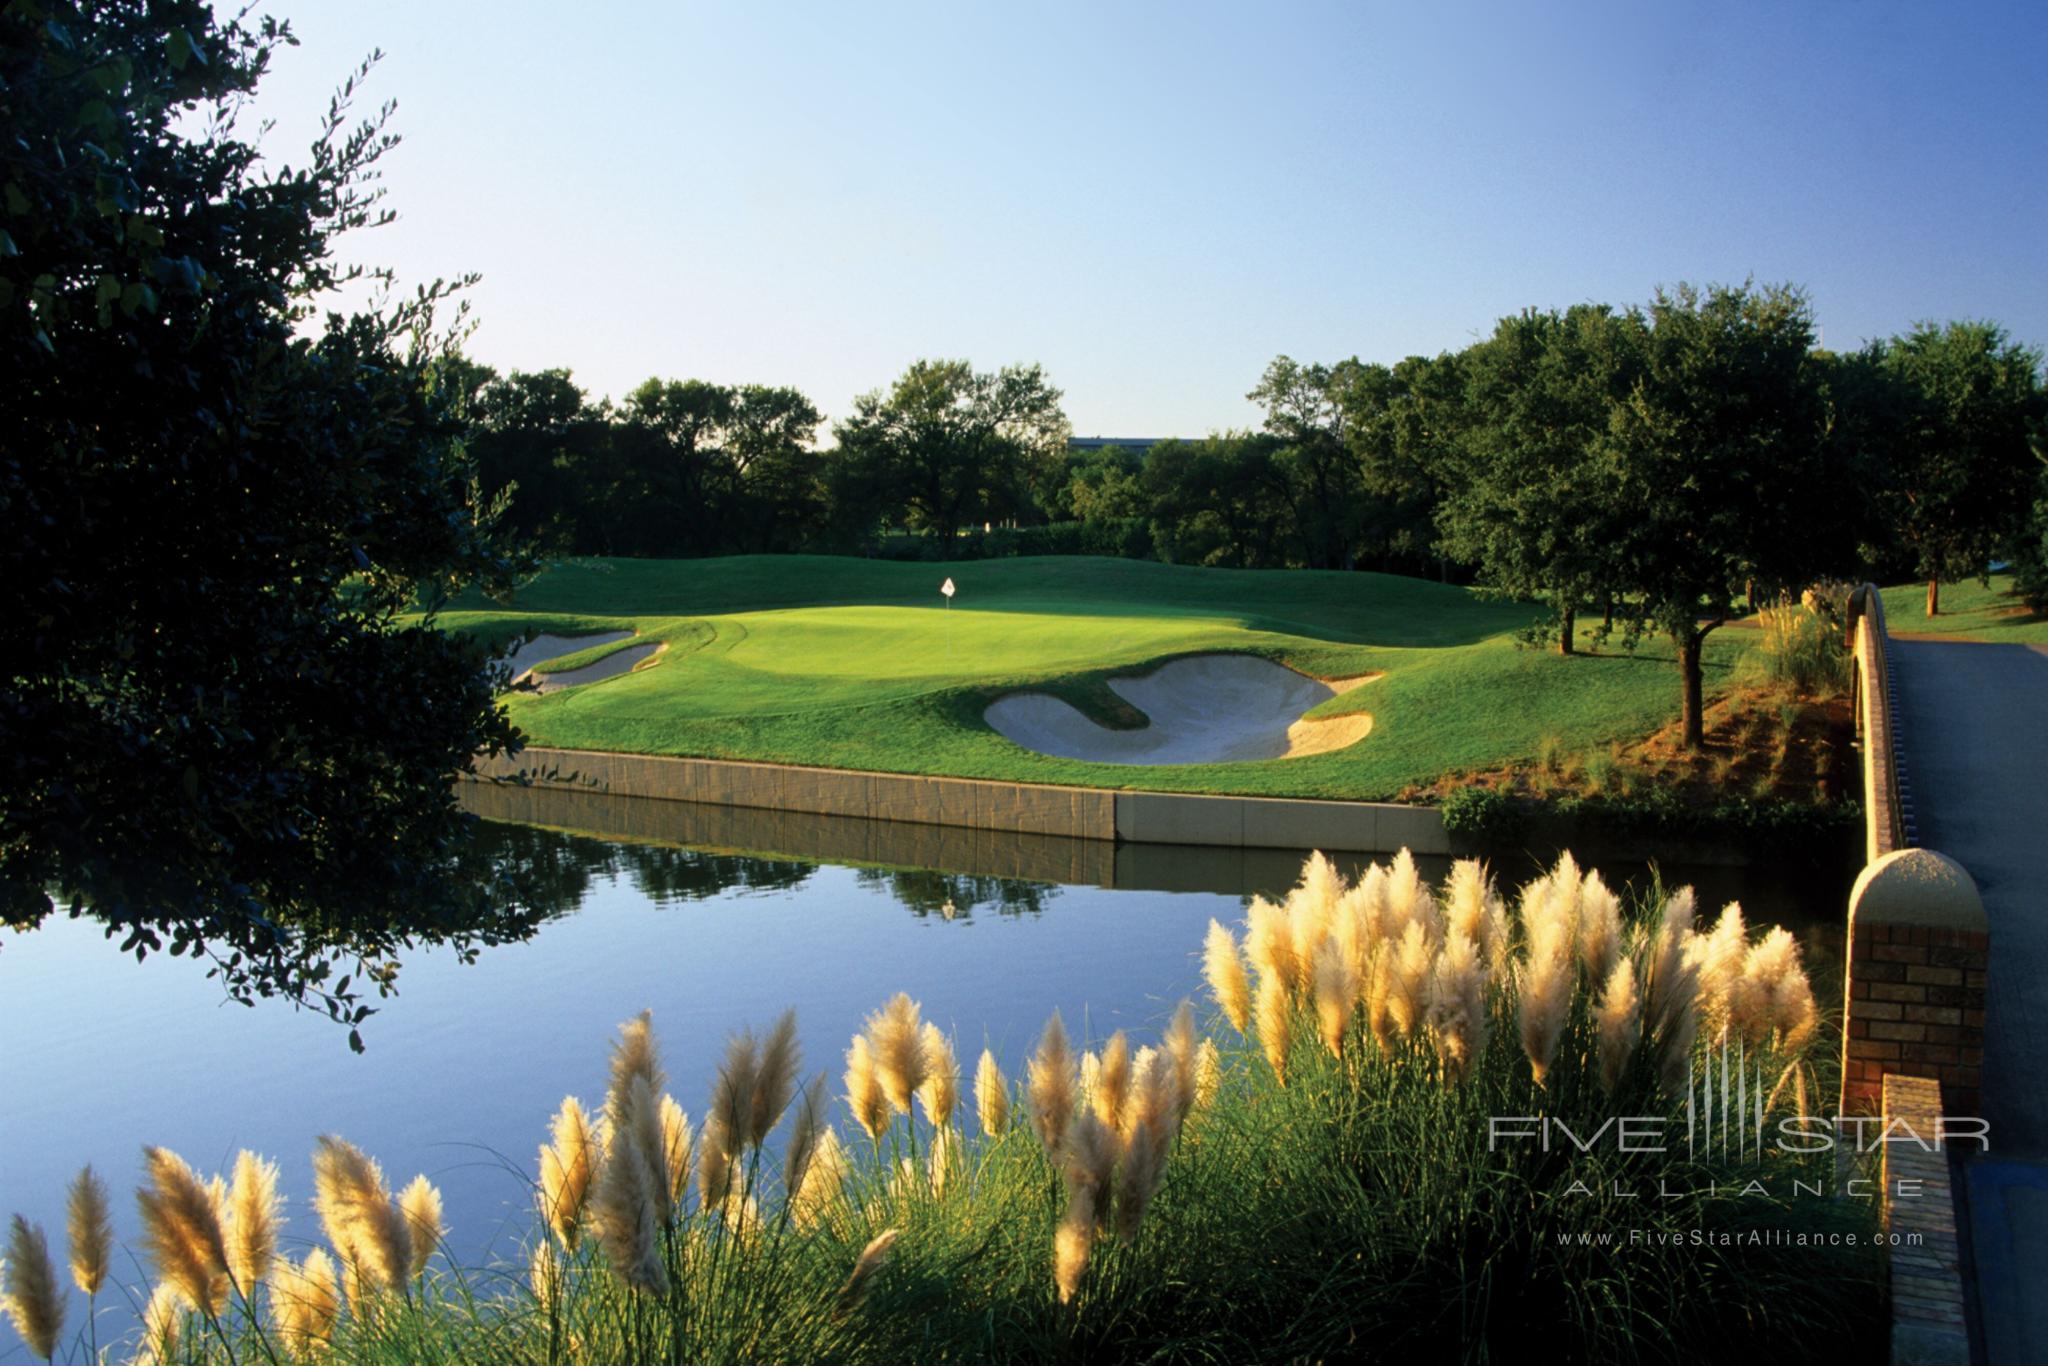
[1137, 445]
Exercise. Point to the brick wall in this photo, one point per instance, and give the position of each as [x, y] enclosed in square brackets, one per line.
[1915, 1004]
[1928, 1315]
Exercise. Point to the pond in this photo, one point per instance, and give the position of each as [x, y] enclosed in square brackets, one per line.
[465, 1066]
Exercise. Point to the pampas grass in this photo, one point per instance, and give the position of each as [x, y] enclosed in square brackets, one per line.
[864, 1094]
[1269, 944]
[1620, 1021]
[823, 1185]
[896, 1036]
[255, 1213]
[568, 1171]
[305, 1301]
[361, 1219]
[161, 1319]
[1051, 1085]
[676, 1149]
[1112, 1087]
[425, 1223]
[872, 1259]
[90, 1227]
[1336, 993]
[1276, 1025]
[626, 1206]
[1223, 968]
[29, 1289]
[1457, 1005]
[775, 1080]
[991, 1096]
[181, 1232]
[940, 1092]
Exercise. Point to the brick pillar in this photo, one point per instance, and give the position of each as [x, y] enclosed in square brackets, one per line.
[1913, 995]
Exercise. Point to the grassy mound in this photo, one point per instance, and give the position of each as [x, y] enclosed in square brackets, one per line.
[853, 663]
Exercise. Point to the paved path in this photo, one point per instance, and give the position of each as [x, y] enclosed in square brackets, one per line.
[1973, 720]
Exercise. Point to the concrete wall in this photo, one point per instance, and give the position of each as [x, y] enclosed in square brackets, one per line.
[1019, 808]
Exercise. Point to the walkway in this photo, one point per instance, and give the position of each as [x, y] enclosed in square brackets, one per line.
[1973, 723]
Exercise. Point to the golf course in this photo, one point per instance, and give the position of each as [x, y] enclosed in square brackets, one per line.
[862, 664]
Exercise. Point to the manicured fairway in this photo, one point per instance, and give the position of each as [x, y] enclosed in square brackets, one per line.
[857, 664]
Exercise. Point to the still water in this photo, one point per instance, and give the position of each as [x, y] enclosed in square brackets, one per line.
[465, 1066]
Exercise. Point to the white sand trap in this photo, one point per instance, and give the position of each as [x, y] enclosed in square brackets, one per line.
[1205, 709]
[527, 657]
[543, 648]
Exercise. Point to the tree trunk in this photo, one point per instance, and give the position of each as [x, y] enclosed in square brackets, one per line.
[1568, 629]
[1607, 613]
[1934, 597]
[1690, 710]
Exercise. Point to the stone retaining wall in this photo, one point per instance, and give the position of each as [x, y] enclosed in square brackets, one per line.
[983, 804]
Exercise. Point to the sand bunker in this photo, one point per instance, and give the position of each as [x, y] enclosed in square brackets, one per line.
[1205, 709]
[543, 648]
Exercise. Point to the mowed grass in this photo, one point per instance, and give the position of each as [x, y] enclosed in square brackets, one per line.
[1969, 611]
[851, 663]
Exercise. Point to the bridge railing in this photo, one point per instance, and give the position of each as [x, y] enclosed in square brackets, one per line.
[1887, 795]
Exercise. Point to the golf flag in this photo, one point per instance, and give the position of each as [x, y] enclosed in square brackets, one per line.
[947, 589]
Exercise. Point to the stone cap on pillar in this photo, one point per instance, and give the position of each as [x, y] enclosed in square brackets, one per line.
[1918, 887]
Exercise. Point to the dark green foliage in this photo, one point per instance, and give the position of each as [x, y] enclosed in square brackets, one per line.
[213, 511]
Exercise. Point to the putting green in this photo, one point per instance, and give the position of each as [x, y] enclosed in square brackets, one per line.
[858, 664]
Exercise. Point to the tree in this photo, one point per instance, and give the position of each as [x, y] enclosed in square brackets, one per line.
[1405, 428]
[1305, 412]
[1222, 500]
[947, 445]
[1534, 502]
[216, 511]
[1719, 476]
[1961, 471]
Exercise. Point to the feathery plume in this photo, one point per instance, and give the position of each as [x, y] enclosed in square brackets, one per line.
[945, 1157]
[1269, 943]
[359, 1215]
[31, 1293]
[991, 1095]
[823, 1183]
[872, 1259]
[1072, 1241]
[1050, 1085]
[864, 1093]
[420, 1203]
[1671, 993]
[1181, 1047]
[1404, 894]
[1599, 929]
[1148, 1128]
[254, 1213]
[1276, 1025]
[1379, 991]
[1336, 992]
[1464, 901]
[634, 1054]
[775, 1080]
[1547, 976]
[544, 1274]
[940, 1093]
[676, 1140]
[568, 1170]
[91, 1229]
[1088, 1160]
[305, 1301]
[803, 1134]
[728, 1120]
[1223, 968]
[1620, 1019]
[896, 1034]
[1457, 1005]
[181, 1231]
[1720, 955]
[1793, 1011]
[626, 1204]
[1208, 1074]
[161, 1319]
[1113, 1082]
[1409, 982]
[1312, 909]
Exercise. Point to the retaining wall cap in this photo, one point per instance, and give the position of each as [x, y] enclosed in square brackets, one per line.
[1918, 887]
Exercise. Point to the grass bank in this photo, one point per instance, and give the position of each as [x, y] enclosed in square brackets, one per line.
[1969, 611]
[857, 664]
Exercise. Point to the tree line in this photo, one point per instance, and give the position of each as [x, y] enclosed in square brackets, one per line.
[1666, 465]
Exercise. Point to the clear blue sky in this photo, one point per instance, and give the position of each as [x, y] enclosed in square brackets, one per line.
[1154, 200]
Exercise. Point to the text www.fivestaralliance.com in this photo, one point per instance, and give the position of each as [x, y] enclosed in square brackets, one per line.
[1756, 1237]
